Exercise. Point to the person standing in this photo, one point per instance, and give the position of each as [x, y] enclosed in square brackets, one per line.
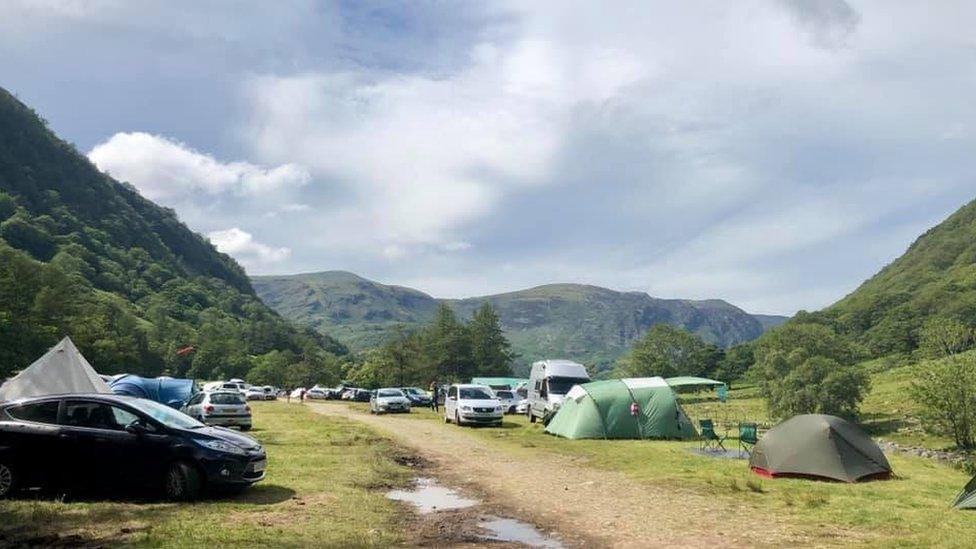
[433, 396]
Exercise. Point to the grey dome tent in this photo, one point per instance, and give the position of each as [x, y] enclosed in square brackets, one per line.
[967, 498]
[819, 446]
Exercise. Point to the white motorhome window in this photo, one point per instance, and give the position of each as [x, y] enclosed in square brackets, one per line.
[562, 385]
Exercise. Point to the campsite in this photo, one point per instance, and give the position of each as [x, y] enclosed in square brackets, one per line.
[558, 275]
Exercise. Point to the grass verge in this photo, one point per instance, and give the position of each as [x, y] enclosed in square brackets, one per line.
[324, 488]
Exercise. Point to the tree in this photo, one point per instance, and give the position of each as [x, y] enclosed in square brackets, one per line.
[448, 344]
[735, 363]
[491, 353]
[946, 391]
[669, 351]
[942, 337]
[809, 368]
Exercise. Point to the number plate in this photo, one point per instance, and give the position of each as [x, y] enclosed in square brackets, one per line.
[258, 466]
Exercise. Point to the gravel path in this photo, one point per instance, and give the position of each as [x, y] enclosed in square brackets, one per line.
[583, 505]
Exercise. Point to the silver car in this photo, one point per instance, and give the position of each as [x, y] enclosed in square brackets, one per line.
[389, 400]
[508, 399]
[224, 408]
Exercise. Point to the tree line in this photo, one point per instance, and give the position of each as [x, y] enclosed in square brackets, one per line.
[446, 349]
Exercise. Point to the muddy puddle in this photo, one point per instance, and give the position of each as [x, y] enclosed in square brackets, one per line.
[429, 497]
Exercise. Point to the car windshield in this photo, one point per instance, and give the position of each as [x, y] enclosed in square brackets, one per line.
[230, 386]
[562, 385]
[390, 393]
[475, 393]
[164, 414]
[226, 398]
[504, 394]
[413, 391]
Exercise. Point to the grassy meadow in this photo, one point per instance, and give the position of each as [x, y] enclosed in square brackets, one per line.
[325, 487]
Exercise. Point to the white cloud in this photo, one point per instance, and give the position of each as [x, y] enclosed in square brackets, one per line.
[241, 245]
[166, 170]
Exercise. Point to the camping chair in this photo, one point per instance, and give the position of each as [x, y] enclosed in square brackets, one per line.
[709, 438]
[748, 436]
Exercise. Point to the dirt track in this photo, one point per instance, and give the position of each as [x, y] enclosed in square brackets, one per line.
[583, 505]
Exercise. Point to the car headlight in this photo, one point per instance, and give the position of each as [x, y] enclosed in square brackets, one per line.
[466, 408]
[221, 446]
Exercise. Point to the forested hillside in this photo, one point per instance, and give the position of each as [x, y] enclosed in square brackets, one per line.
[586, 323]
[84, 255]
[934, 280]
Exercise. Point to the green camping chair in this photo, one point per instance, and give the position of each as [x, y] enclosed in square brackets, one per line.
[709, 438]
[748, 436]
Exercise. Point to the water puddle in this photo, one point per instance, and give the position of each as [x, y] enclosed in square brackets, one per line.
[506, 529]
[428, 496]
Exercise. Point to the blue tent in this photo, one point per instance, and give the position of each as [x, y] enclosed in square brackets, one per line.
[169, 391]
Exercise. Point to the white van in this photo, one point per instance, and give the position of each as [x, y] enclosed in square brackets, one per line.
[549, 382]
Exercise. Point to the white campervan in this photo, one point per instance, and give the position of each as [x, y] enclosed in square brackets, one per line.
[549, 382]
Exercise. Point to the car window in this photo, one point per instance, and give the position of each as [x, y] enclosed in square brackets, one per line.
[226, 398]
[505, 394]
[41, 412]
[452, 392]
[475, 393]
[94, 415]
[195, 400]
[123, 417]
[389, 393]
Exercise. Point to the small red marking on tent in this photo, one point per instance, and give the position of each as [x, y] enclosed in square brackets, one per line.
[183, 351]
[762, 472]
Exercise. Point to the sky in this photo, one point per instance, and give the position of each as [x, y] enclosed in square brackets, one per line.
[771, 153]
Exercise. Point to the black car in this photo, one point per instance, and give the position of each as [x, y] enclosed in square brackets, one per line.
[95, 441]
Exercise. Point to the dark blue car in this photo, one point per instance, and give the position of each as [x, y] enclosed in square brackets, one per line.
[98, 440]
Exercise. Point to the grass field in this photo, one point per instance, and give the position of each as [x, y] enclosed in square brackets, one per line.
[324, 487]
[911, 510]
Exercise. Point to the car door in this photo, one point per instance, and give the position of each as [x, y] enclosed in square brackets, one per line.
[102, 452]
[30, 436]
[192, 407]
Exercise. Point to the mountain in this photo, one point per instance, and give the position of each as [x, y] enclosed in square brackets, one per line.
[586, 323]
[84, 255]
[935, 277]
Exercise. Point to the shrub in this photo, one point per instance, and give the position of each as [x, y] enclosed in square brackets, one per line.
[946, 391]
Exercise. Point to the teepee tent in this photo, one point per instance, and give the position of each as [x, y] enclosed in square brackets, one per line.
[819, 446]
[967, 498]
[621, 408]
[61, 370]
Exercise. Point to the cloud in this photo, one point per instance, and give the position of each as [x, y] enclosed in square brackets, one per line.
[773, 153]
[241, 245]
[164, 170]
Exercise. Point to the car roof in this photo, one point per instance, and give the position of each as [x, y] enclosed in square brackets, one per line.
[105, 397]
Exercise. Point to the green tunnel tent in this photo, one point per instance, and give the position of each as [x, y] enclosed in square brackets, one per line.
[602, 409]
[820, 447]
[967, 498]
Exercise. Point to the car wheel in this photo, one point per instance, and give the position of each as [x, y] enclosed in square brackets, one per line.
[531, 416]
[446, 419]
[457, 418]
[182, 482]
[8, 480]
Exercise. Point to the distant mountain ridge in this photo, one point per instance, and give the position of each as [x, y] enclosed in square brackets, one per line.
[586, 323]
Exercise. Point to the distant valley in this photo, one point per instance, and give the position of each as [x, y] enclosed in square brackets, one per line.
[590, 324]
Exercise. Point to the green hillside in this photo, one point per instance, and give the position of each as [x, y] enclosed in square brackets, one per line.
[936, 277]
[587, 323]
[84, 255]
